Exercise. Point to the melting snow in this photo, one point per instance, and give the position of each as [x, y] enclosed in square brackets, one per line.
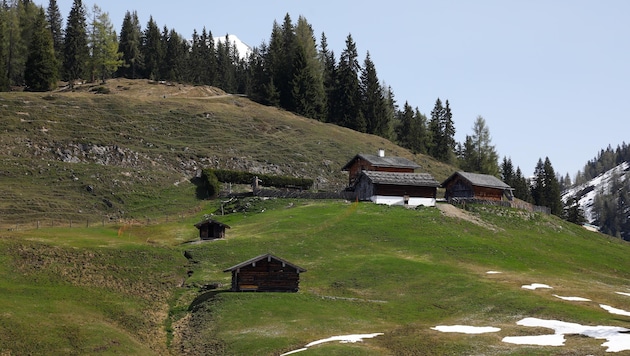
[493, 272]
[622, 293]
[466, 329]
[342, 339]
[542, 340]
[573, 299]
[535, 286]
[612, 310]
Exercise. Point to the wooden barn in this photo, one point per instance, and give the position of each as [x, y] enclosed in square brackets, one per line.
[476, 186]
[211, 229]
[392, 188]
[265, 273]
[379, 163]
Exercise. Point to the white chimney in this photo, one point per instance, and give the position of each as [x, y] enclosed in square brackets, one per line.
[381, 152]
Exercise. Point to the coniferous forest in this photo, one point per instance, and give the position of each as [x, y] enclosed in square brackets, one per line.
[293, 70]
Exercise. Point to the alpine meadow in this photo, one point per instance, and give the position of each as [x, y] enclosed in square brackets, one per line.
[166, 196]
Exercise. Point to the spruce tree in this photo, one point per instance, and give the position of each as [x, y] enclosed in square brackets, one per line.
[307, 86]
[4, 82]
[129, 45]
[285, 70]
[373, 104]
[76, 52]
[329, 76]
[552, 189]
[152, 51]
[436, 130]
[55, 21]
[348, 92]
[521, 187]
[507, 172]
[418, 133]
[41, 65]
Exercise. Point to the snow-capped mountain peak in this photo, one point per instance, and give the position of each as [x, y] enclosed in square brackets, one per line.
[243, 49]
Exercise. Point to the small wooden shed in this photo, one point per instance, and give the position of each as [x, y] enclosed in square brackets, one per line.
[392, 188]
[265, 273]
[380, 163]
[477, 186]
[210, 229]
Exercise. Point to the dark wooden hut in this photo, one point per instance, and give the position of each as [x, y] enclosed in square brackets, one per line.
[210, 229]
[265, 273]
[379, 163]
[476, 186]
[392, 188]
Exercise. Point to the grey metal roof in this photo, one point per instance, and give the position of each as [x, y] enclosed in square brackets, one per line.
[395, 178]
[210, 221]
[480, 180]
[262, 257]
[386, 161]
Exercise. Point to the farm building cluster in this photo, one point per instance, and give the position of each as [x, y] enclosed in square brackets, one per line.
[395, 181]
[377, 178]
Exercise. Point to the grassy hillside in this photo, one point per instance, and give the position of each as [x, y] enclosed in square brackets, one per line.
[131, 153]
[371, 269]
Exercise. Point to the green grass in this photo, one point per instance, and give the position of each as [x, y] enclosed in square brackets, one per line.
[86, 157]
[370, 269]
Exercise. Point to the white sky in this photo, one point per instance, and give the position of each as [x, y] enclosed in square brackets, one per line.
[551, 78]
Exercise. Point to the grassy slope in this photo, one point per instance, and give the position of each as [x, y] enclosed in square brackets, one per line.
[85, 156]
[370, 269]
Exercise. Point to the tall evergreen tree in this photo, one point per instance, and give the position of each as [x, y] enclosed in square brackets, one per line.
[41, 65]
[129, 45]
[374, 106]
[521, 187]
[418, 133]
[329, 76]
[152, 51]
[226, 73]
[307, 85]
[4, 81]
[403, 129]
[103, 42]
[175, 61]
[285, 74]
[348, 91]
[55, 21]
[507, 172]
[546, 189]
[76, 52]
[436, 130]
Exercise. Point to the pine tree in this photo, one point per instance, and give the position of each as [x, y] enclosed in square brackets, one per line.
[55, 21]
[41, 65]
[176, 58]
[226, 74]
[403, 129]
[152, 51]
[507, 172]
[285, 74]
[4, 82]
[418, 133]
[76, 52]
[348, 93]
[307, 86]
[546, 189]
[329, 76]
[573, 212]
[521, 187]
[436, 131]
[105, 58]
[374, 106]
[129, 45]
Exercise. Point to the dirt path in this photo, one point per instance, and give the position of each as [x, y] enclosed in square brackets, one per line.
[454, 212]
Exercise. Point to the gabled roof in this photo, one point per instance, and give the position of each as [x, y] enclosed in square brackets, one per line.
[210, 221]
[262, 257]
[395, 178]
[480, 180]
[386, 161]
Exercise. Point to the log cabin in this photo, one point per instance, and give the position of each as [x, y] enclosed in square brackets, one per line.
[265, 273]
[476, 186]
[210, 229]
[380, 163]
[409, 189]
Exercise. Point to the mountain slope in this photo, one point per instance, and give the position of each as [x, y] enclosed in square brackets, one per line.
[370, 269]
[586, 192]
[130, 153]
